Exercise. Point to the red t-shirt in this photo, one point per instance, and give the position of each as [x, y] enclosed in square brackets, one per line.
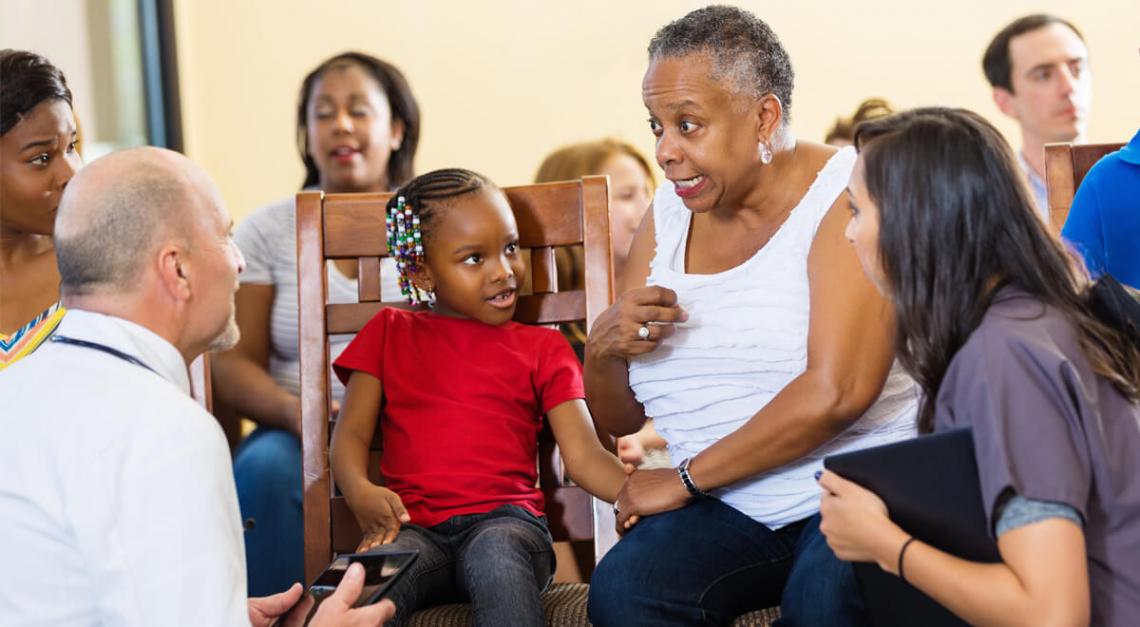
[463, 406]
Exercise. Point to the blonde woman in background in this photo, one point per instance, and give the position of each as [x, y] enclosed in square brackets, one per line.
[843, 132]
[631, 188]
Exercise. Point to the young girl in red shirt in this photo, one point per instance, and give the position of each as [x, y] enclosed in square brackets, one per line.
[459, 391]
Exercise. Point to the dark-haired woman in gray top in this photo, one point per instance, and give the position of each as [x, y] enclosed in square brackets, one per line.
[994, 323]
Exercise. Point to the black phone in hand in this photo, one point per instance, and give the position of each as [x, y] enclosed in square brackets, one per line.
[381, 571]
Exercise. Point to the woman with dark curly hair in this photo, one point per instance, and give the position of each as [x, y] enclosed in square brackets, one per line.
[38, 156]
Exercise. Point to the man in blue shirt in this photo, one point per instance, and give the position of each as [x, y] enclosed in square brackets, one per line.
[1104, 221]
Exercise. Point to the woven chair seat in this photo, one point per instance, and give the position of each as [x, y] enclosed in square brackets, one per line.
[565, 605]
[759, 618]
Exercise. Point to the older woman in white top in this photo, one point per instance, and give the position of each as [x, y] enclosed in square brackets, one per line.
[747, 331]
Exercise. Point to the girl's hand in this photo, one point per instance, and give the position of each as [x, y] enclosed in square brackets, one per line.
[615, 333]
[630, 450]
[380, 512]
[856, 523]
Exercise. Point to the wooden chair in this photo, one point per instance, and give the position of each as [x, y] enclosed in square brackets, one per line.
[201, 388]
[351, 226]
[1065, 167]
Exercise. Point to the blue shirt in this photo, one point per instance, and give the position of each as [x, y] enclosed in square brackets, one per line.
[1104, 221]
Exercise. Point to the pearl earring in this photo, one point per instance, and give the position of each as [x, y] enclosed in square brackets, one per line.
[765, 153]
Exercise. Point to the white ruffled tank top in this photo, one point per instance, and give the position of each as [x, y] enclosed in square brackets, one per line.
[745, 339]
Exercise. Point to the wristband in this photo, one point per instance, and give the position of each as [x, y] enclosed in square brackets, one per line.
[902, 552]
[683, 471]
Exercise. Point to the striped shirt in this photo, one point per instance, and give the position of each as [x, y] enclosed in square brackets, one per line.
[29, 337]
[745, 339]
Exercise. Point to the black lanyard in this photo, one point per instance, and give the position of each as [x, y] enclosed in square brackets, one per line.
[102, 348]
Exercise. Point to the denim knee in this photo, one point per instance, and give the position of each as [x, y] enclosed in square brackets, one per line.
[821, 589]
[506, 542]
[267, 474]
[684, 567]
[506, 562]
[612, 587]
[269, 463]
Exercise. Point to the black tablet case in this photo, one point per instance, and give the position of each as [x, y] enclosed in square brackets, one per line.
[931, 488]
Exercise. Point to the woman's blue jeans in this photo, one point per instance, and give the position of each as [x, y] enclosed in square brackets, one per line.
[707, 563]
[267, 471]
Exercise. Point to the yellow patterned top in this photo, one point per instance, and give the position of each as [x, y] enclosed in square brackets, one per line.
[28, 338]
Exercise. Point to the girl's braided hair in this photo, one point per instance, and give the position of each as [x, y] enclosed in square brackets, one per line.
[412, 210]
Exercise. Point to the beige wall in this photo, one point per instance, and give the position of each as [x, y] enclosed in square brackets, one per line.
[503, 82]
[27, 26]
[102, 66]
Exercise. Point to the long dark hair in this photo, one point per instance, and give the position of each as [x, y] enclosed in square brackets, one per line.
[956, 224]
[400, 99]
[26, 80]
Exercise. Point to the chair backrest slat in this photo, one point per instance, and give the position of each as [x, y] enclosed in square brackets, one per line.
[368, 279]
[538, 226]
[354, 225]
[544, 274]
[350, 317]
[550, 308]
[1065, 167]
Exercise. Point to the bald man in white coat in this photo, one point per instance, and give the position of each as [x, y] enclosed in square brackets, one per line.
[117, 499]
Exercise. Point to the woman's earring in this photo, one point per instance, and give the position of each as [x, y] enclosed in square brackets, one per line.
[765, 153]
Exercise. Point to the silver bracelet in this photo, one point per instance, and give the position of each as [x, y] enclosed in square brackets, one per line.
[683, 471]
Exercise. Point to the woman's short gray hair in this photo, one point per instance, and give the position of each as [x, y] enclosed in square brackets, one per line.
[743, 49]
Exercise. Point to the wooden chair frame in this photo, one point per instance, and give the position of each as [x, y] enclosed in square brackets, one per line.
[1065, 167]
[351, 226]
